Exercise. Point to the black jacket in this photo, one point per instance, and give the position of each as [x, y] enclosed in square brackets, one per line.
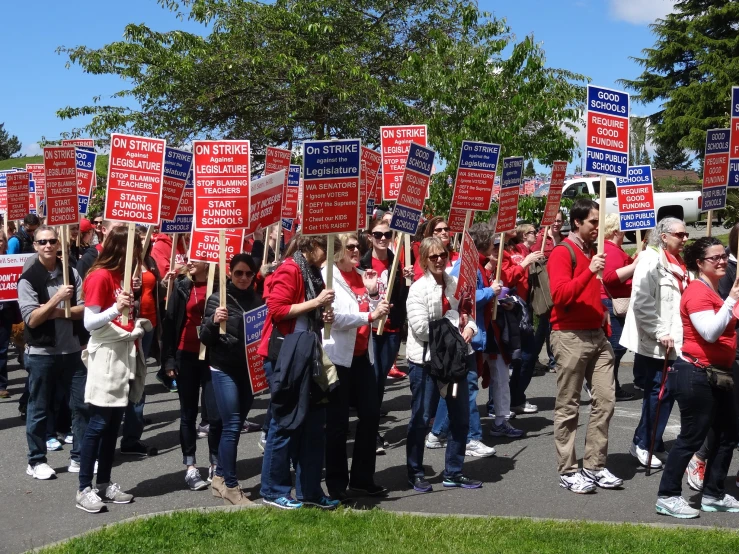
[228, 352]
[174, 320]
[86, 261]
[399, 297]
[25, 240]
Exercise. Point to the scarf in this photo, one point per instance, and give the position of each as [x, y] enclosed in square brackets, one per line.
[676, 266]
[313, 284]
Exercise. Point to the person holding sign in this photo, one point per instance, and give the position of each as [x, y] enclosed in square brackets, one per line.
[582, 351]
[53, 349]
[356, 305]
[431, 298]
[227, 356]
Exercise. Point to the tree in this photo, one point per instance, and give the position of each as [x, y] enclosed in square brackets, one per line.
[282, 72]
[9, 144]
[690, 69]
[671, 156]
[638, 141]
[529, 171]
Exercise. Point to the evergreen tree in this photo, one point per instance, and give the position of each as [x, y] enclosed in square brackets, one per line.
[9, 144]
[529, 171]
[671, 156]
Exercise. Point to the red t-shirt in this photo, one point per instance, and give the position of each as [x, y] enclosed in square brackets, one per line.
[148, 300]
[101, 288]
[445, 305]
[354, 280]
[616, 258]
[382, 267]
[194, 310]
[699, 297]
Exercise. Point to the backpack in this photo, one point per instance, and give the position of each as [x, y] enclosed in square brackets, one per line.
[448, 351]
[540, 297]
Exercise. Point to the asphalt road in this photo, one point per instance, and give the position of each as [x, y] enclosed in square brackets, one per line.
[521, 480]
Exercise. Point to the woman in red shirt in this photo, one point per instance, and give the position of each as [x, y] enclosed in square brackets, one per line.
[439, 228]
[706, 401]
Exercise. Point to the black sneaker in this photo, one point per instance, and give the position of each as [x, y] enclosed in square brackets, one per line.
[420, 484]
[380, 447]
[369, 490]
[462, 482]
[138, 449]
[622, 395]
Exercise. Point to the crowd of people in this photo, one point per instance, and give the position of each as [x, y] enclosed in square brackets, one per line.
[327, 350]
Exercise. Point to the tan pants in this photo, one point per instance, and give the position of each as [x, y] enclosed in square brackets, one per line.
[582, 355]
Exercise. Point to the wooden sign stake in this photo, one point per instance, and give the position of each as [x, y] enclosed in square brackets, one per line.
[407, 250]
[329, 279]
[501, 247]
[172, 261]
[222, 273]
[709, 223]
[544, 238]
[128, 268]
[390, 283]
[208, 292]
[65, 267]
[602, 220]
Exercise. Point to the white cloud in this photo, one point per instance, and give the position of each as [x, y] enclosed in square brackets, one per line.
[639, 12]
[33, 149]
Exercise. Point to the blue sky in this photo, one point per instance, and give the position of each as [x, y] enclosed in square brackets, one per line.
[593, 37]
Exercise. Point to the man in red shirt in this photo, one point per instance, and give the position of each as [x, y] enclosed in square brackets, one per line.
[582, 351]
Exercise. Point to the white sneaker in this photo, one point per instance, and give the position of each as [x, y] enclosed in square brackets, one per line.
[435, 441]
[74, 467]
[40, 471]
[477, 449]
[575, 482]
[603, 478]
[69, 439]
[642, 455]
[89, 501]
[726, 504]
[675, 506]
[525, 408]
[53, 445]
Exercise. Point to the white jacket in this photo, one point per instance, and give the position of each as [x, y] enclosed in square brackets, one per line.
[654, 308]
[347, 318]
[424, 305]
[116, 368]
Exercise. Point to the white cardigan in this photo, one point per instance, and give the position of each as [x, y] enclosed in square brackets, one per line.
[424, 305]
[654, 308]
[347, 318]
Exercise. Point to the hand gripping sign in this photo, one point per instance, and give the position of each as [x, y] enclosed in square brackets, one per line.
[734, 139]
[86, 177]
[554, 198]
[394, 145]
[636, 199]
[177, 168]
[607, 136]
[253, 325]
[473, 187]
[715, 169]
[18, 184]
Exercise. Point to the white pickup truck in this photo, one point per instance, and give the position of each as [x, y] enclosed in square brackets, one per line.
[682, 205]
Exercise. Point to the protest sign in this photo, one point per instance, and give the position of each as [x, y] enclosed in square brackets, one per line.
[182, 222]
[715, 170]
[413, 188]
[636, 199]
[18, 203]
[607, 135]
[32, 197]
[276, 160]
[177, 170]
[204, 245]
[456, 220]
[288, 229]
[86, 177]
[4, 191]
[62, 202]
[734, 139]
[371, 162]
[473, 186]
[265, 200]
[331, 186]
[395, 142]
[222, 175]
[557, 181]
[467, 282]
[84, 144]
[529, 187]
[509, 192]
[135, 175]
[253, 324]
[39, 178]
[292, 192]
[11, 267]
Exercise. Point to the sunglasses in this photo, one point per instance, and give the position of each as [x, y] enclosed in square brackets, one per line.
[240, 273]
[435, 257]
[351, 247]
[716, 259]
[44, 242]
[441, 230]
[681, 235]
[96, 223]
[379, 236]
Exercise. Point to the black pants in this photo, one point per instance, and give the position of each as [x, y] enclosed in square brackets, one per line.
[192, 375]
[702, 408]
[358, 385]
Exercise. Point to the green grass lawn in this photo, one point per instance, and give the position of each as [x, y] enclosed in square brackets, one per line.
[269, 530]
[101, 165]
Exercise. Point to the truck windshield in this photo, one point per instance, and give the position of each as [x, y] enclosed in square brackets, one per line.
[610, 188]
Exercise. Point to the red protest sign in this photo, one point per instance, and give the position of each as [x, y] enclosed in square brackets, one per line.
[222, 174]
[557, 181]
[376, 188]
[265, 200]
[507, 210]
[467, 283]
[86, 143]
[276, 160]
[394, 145]
[39, 177]
[371, 161]
[11, 267]
[204, 245]
[60, 167]
[135, 179]
[529, 187]
[456, 220]
[18, 203]
[253, 324]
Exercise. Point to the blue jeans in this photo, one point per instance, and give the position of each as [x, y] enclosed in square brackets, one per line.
[304, 446]
[65, 371]
[386, 348]
[523, 369]
[99, 443]
[649, 371]
[424, 402]
[5, 327]
[133, 422]
[233, 399]
[441, 421]
[617, 328]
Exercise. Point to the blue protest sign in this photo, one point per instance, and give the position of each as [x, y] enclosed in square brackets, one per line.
[607, 135]
[636, 199]
[413, 188]
[715, 169]
[734, 139]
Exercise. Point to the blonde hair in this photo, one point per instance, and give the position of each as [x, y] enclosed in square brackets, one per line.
[344, 238]
[611, 226]
[427, 245]
[522, 229]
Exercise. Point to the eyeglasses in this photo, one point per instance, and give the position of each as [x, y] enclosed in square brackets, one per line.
[558, 222]
[378, 235]
[716, 259]
[239, 274]
[441, 230]
[351, 247]
[681, 235]
[44, 242]
[435, 257]
[96, 223]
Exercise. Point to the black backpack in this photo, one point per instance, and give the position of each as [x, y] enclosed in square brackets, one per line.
[448, 352]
